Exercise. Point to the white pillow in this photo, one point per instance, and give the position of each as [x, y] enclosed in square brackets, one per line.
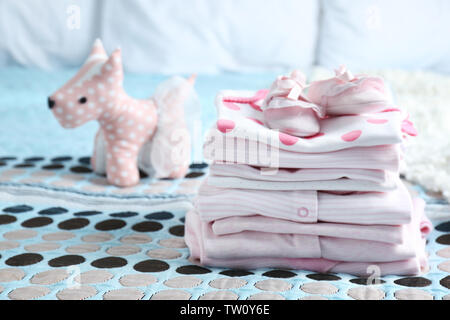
[409, 34]
[177, 36]
[45, 33]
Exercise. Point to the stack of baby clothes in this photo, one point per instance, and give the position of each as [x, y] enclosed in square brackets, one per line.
[307, 177]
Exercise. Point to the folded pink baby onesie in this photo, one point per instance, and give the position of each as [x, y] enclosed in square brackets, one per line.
[254, 249]
[237, 176]
[262, 244]
[256, 223]
[230, 151]
[387, 208]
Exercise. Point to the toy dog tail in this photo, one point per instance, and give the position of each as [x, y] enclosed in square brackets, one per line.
[170, 153]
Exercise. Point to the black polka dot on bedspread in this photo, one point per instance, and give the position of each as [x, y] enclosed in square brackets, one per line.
[62, 159]
[110, 224]
[279, 274]
[7, 219]
[86, 213]
[147, 226]
[24, 259]
[192, 269]
[443, 227]
[80, 169]
[65, 261]
[37, 222]
[151, 266]
[125, 214]
[18, 209]
[53, 211]
[109, 263]
[53, 167]
[73, 224]
[160, 215]
[323, 277]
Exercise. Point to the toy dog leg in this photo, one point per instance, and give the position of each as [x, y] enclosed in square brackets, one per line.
[144, 159]
[121, 165]
[98, 160]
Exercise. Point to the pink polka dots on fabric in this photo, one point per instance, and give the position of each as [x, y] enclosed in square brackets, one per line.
[225, 126]
[352, 135]
[408, 128]
[287, 139]
[377, 121]
[231, 106]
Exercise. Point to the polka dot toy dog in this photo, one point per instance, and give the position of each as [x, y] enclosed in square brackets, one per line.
[148, 134]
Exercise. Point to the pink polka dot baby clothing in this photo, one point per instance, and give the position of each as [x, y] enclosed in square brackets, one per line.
[331, 201]
[245, 120]
[126, 124]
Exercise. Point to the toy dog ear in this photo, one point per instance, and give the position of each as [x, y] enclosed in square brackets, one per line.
[114, 63]
[97, 52]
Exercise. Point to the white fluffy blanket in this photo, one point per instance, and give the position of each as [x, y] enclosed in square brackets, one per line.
[426, 96]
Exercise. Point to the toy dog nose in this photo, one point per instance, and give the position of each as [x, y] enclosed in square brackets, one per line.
[51, 103]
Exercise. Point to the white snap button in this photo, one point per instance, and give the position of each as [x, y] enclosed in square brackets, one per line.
[303, 212]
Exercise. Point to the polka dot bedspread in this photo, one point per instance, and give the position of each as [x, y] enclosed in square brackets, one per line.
[66, 234]
[58, 250]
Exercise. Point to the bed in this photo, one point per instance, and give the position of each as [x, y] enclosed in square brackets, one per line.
[66, 234]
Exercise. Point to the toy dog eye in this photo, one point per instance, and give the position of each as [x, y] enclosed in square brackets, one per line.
[82, 100]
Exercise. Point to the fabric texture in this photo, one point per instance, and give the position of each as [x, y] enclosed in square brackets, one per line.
[249, 249]
[72, 179]
[238, 176]
[256, 153]
[390, 208]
